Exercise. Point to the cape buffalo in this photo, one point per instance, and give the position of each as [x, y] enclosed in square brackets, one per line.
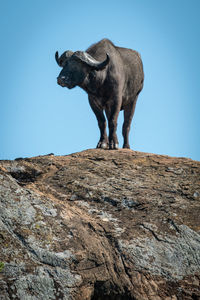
[112, 77]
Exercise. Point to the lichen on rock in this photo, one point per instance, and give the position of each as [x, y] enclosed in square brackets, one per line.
[100, 225]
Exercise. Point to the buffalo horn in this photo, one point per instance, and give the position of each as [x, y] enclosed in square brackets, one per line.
[63, 58]
[57, 58]
[92, 62]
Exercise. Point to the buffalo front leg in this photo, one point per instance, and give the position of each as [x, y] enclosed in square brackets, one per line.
[103, 141]
[128, 116]
[112, 115]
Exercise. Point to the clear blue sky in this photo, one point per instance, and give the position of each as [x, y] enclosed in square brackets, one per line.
[39, 117]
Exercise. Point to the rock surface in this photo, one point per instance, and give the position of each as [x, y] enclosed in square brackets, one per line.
[100, 225]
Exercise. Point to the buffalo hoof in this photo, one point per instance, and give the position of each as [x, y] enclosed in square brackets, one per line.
[102, 145]
[126, 146]
[113, 146]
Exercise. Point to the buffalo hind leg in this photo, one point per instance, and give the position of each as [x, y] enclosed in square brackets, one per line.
[103, 141]
[128, 116]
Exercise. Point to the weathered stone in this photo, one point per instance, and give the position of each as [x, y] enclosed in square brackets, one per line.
[100, 225]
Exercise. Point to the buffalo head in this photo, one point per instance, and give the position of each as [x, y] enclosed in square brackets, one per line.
[76, 66]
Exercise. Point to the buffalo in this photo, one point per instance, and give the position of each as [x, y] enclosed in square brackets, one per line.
[112, 77]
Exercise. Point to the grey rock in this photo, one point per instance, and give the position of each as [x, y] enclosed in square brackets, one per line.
[100, 225]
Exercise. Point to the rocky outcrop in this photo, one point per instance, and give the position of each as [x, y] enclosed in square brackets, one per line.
[100, 225]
